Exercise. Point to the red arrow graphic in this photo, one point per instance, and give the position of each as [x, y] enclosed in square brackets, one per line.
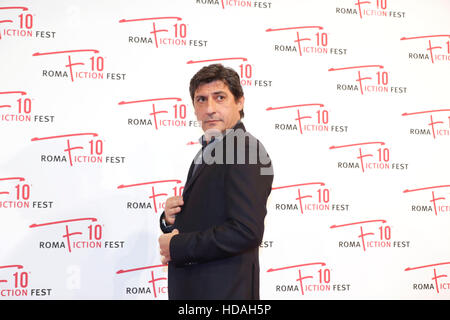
[421, 112]
[12, 92]
[62, 221]
[299, 185]
[220, 59]
[66, 135]
[18, 266]
[13, 178]
[142, 268]
[148, 100]
[298, 266]
[20, 8]
[354, 223]
[295, 106]
[145, 183]
[66, 51]
[146, 19]
[427, 266]
[293, 28]
[423, 37]
[357, 67]
[427, 188]
[356, 144]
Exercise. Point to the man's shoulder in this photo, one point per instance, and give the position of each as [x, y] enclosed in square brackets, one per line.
[244, 148]
[239, 136]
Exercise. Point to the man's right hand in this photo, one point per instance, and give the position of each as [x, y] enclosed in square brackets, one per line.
[172, 208]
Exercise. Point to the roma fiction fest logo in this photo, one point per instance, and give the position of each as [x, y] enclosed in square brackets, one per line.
[74, 234]
[155, 199]
[375, 9]
[430, 277]
[164, 112]
[78, 148]
[371, 155]
[155, 287]
[17, 193]
[367, 80]
[372, 234]
[311, 118]
[305, 40]
[18, 106]
[433, 48]
[16, 282]
[78, 64]
[312, 198]
[435, 205]
[162, 32]
[436, 127]
[227, 4]
[313, 277]
[19, 22]
[244, 67]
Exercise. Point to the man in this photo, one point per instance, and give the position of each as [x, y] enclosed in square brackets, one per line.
[213, 231]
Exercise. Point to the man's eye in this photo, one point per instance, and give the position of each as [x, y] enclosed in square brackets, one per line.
[200, 99]
[220, 97]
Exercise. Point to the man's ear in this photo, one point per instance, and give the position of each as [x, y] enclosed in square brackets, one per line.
[240, 103]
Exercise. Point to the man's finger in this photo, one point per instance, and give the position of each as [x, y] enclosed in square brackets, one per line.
[165, 259]
[178, 200]
[173, 210]
[172, 206]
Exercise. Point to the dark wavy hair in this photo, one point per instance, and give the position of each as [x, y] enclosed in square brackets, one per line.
[216, 72]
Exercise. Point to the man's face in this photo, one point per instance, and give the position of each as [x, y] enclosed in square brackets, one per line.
[216, 107]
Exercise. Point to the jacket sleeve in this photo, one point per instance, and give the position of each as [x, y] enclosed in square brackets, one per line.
[246, 192]
[162, 224]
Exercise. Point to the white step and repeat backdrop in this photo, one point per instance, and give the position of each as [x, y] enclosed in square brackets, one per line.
[350, 98]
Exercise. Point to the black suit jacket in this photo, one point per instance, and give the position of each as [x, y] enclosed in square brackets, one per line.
[221, 223]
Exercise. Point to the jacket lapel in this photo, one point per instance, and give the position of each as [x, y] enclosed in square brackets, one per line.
[191, 180]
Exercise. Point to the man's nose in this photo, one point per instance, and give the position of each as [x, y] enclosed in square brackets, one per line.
[211, 106]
